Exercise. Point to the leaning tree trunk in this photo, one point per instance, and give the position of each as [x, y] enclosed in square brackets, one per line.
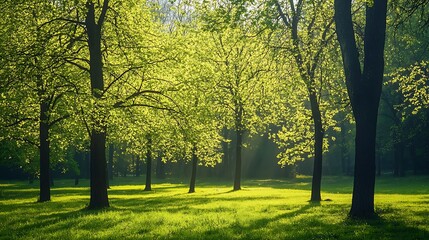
[318, 149]
[98, 164]
[45, 184]
[194, 171]
[364, 89]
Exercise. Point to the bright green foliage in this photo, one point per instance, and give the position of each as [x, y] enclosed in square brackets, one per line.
[241, 78]
[309, 65]
[33, 73]
[413, 84]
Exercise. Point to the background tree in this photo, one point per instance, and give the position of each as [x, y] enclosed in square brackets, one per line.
[241, 65]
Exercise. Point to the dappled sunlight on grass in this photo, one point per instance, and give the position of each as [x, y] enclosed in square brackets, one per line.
[264, 209]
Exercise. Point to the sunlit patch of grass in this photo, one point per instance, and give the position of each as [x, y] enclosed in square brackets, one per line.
[264, 209]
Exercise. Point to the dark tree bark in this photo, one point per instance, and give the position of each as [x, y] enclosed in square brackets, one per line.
[98, 163]
[318, 149]
[238, 147]
[45, 184]
[194, 171]
[364, 90]
[148, 186]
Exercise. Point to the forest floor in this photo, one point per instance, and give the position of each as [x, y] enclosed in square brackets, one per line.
[263, 209]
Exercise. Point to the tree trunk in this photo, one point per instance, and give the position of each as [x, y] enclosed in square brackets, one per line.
[98, 163]
[364, 89]
[318, 148]
[98, 176]
[45, 187]
[238, 146]
[194, 171]
[148, 186]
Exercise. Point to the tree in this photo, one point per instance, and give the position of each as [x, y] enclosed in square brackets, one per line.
[242, 69]
[364, 89]
[308, 25]
[37, 78]
[116, 46]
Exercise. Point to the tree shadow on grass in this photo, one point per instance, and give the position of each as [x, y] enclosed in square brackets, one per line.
[304, 225]
[384, 228]
[65, 220]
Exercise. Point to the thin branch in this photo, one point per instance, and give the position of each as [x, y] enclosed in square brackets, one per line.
[59, 120]
[77, 65]
[282, 15]
[103, 13]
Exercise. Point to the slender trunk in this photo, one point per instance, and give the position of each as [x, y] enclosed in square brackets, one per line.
[98, 164]
[194, 171]
[318, 148]
[148, 186]
[238, 146]
[45, 188]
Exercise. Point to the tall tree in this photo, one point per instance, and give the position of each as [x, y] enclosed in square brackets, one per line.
[364, 89]
[98, 166]
[309, 26]
[36, 77]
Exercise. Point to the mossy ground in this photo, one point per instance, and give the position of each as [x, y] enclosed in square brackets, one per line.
[264, 209]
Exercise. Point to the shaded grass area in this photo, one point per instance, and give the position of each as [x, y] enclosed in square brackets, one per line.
[264, 209]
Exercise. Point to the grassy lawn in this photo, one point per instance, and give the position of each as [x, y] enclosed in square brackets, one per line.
[264, 209]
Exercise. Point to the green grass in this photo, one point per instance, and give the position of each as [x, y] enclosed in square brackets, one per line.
[264, 209]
